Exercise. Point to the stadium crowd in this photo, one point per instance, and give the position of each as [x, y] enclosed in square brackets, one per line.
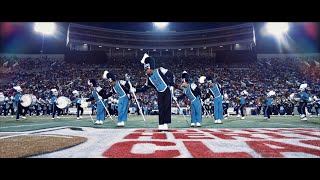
[38, 75]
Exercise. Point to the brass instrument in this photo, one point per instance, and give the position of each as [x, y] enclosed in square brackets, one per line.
[237, 100]
[262, 100]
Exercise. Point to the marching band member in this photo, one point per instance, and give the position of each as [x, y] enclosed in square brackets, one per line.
[237, 105]
[316, 105]
[77, 102]
[38, 106]
[268, 105]
[6, 106]
[304, 100]
[258, 106]
[194, 94]
[3, 104]
[225, 104]
[121, 88]
[160, 79]
[98, 94]
[17, 102]
[243, 102]
[309, 106]
[54, 104]
[290, 107]
[215, 90]
[10, 103]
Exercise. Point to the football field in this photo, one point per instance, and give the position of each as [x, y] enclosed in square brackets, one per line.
[252, 137]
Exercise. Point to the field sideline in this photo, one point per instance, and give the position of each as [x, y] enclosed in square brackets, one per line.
[33, 123]
[235, 138]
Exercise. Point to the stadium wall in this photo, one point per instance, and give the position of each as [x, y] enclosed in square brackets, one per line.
[53, 56]
[283, 56]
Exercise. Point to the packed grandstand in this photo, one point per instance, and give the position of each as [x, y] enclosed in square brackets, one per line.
[227, 53]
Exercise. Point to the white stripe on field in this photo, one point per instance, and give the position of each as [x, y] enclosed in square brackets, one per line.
[13, 136]
[28, 125]
[48, 135]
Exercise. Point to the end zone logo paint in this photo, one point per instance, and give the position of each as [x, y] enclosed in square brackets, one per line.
[218, 143]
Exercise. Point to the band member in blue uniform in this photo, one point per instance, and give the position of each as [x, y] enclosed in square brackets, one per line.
[244, 93]
[192, 91]
[17, 103]
[98, 94]
[55, 109]
[303, 102]
[122, 88]
[268, 105]
[77, 102]
[216, 91]
[160, 79]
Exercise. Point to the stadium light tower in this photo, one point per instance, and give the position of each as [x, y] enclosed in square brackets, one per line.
[277, 28]
[45, 28]
[160, 25]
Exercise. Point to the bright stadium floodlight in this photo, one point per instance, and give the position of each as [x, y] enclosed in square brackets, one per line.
[277, 28]
[45, 28]
[161, 25]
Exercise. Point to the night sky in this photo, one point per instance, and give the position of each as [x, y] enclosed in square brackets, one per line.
[20, 37]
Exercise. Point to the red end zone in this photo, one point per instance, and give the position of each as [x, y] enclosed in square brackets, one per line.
[218, 143]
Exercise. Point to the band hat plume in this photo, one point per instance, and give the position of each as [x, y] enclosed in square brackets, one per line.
[144, 58]
[148, 62]
[105, 73]
[185, 76]
[92, 82]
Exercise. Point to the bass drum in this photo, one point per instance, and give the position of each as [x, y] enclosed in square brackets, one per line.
[28, 100]
[63, 102]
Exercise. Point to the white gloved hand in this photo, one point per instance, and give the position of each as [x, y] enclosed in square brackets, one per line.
[172, 89]
[202, 79]
[104, 76]
[133, 90]
[174, 98]
[99, 97]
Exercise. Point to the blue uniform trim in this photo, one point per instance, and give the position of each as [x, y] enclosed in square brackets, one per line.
[157, 81]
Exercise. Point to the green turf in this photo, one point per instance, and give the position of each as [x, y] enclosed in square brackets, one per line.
[34, 123]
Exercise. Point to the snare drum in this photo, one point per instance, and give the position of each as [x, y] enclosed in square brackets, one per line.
[28, 100]
[63, 102]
